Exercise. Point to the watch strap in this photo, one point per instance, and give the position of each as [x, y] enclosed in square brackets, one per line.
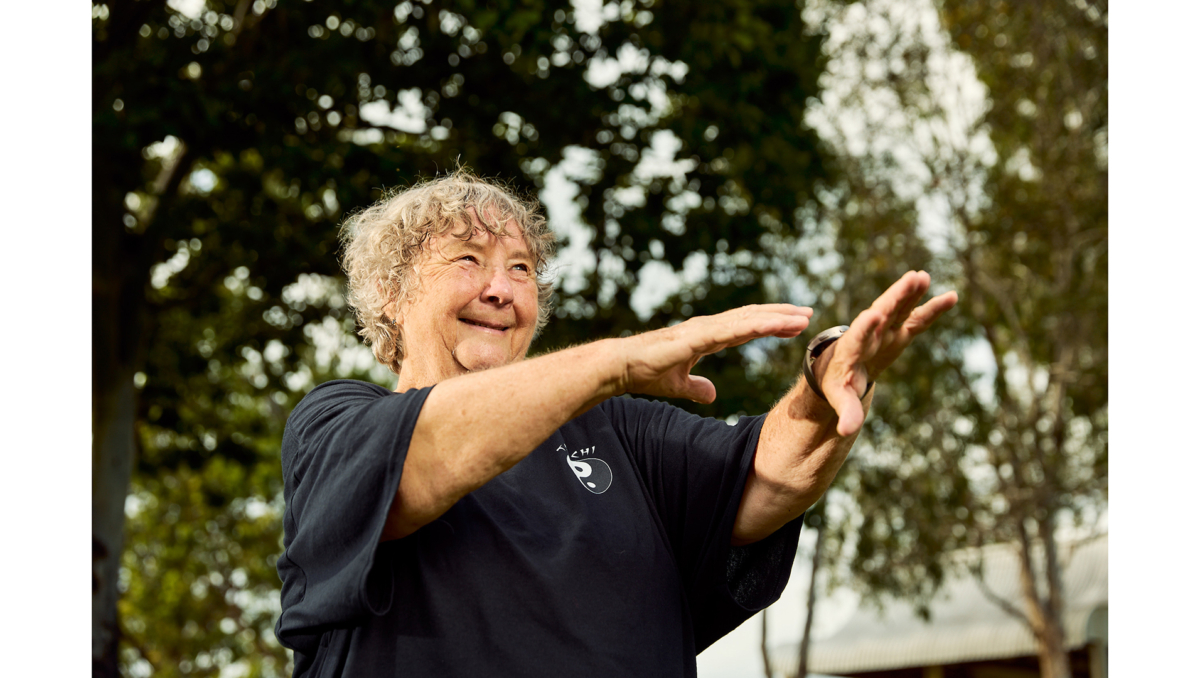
[816, 347]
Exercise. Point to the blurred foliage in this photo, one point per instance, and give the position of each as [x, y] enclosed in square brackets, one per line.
[992, 427]
[229, 140]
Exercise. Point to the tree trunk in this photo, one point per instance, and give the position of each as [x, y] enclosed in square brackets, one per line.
[1052, 655]
[119, 277]
[766, 655]
[112, 464]
[1044, 618]
[802, 664]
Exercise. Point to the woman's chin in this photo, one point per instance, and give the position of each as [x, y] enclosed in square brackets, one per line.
[477, 359]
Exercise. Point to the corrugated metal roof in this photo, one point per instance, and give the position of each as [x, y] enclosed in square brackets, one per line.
[964, 625]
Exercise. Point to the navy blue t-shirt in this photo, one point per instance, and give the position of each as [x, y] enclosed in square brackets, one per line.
[605, 552]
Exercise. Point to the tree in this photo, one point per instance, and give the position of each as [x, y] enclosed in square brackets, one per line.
[1043, 312]
[814, 518]
[994, 429]
[230, 135]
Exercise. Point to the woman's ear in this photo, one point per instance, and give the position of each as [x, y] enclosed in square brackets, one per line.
[388, 312]
[390, 316]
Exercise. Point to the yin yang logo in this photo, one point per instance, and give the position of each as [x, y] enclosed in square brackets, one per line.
[594, 474]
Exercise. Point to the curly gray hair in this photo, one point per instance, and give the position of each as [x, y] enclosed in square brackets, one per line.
[382, 245]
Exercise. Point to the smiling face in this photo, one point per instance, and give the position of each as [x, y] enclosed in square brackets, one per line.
[475, 307]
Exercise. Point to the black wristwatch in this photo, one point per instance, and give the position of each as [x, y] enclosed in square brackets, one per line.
[815, 348]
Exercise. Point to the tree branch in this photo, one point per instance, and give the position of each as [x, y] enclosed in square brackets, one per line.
[977, 572]
[1033, 600]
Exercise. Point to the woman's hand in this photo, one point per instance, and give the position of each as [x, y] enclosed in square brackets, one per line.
[875, 339]
[659, 363]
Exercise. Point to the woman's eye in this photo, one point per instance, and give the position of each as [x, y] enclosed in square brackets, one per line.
[522, 267]
[469, 258]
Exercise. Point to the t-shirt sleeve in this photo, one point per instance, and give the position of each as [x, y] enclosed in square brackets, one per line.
[695, 470]
[343, 452]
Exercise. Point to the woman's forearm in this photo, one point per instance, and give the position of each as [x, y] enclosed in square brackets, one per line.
[476, 426]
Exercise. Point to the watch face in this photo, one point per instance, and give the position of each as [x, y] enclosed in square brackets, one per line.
[825, 337]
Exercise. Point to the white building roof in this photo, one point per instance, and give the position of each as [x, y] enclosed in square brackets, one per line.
[965, 625]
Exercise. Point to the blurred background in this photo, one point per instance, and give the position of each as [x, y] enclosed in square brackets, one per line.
[692, 157]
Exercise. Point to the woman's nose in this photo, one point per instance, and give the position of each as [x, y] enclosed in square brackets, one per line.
[499, 288]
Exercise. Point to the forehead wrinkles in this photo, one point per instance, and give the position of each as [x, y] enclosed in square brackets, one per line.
[496, 221]
[453, 242]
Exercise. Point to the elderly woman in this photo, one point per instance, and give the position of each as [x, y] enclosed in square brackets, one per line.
[501, 516]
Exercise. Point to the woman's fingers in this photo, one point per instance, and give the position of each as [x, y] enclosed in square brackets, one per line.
[845, 401]
[879, 335]
[699, 389]
[660, 362]
[898, 301]
[865, 335]
[734, 328]
[923, 317]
